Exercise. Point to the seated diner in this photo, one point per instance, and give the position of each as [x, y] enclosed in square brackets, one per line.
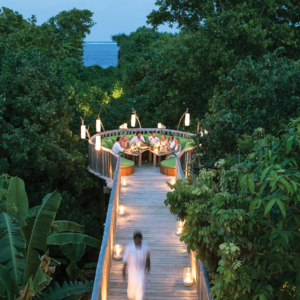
[138, 139]
[176, 150]
[117, 147]
[125, 142]
[164, 142]
[153, 139]
[172, 143]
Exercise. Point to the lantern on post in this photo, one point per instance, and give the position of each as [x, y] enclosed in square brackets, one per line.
[186, 120]
[99, 123]
[159, 126]
[134, 117]
[98, 143]
[83, 130]
[179, 225]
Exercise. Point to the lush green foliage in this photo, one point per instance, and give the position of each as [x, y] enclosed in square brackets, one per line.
[25, 265]
[39, 120]
[243, 218]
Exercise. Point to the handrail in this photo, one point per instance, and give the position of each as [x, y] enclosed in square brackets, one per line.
[104, 262]
[124, 131]
[197, 266]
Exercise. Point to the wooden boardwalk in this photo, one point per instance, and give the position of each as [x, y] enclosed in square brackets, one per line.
[143, 200]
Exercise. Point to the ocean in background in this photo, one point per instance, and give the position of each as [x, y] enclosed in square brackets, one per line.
[104, 54]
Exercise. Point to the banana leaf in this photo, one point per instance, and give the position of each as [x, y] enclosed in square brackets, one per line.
[40, 280]
[4, 182]
[60, 226]
[12, 248]
[17, 200]
[73, 252]
[67, 290]
[33, 212]
[75, 238]
[8, 285]
[40, 232]
[74, 272]
[28, 291]
[90, 265]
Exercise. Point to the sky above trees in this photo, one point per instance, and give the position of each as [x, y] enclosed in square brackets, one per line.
[112, 17]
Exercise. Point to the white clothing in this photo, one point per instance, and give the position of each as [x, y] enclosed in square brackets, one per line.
[136, 140]
[172, 144]
[177, 151]
[163, 143]
[136, 258]
[117, 148]
[152, 140]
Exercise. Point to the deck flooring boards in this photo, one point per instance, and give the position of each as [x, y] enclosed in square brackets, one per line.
[143, 201]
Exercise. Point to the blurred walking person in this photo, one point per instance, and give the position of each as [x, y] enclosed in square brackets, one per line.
[137, 262]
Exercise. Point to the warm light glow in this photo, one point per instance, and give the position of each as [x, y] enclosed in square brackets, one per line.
[132, 148]
[121, 126]
[121, 211]
[173, 181]
[187, 119]
[125, 125]
[179, 227]
[205, 131]
[138, 145]
[159, 125]
[187, 278]
[133, 120]
[117, 255]
[98, 143]
[124, 183]
[83, 133]
[98, 125]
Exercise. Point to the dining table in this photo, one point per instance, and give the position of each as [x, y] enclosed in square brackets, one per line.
[157, 154]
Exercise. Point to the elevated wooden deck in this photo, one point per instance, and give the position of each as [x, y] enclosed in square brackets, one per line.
[143, 200]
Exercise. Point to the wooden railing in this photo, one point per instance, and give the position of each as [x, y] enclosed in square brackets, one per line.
[106, 164]
[197, 267]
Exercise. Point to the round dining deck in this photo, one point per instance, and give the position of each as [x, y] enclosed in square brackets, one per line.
[143, 201]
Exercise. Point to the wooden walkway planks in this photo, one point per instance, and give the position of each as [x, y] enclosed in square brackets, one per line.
[143, 200]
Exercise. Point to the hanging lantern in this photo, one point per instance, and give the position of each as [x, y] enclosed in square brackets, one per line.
[117, 252]
[187, 277]
[98, 125]
[159, 126]
[187, 119]
[133, 120]
[98, 143]
[83, 133]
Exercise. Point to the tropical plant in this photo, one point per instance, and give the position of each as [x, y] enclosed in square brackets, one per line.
[243, 219]
[25, 264]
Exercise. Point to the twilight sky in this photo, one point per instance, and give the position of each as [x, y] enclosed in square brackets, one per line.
[112, 16]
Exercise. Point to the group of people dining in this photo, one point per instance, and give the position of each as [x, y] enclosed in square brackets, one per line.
[122, 144]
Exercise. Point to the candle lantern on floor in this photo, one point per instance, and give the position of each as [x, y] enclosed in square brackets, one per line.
[173, 181]
[124, 183]
[121, 210]
[187, 277]
[117, 253]
[179, 227]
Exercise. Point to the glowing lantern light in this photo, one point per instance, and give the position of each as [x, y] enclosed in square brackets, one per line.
[159, 126]
[133, 120]
[187, 119]
[121, 211]
[173, 181]
[125, 125]
[98, 125]
[98, 143]
[83, 133]
[179, 227]
[187, 277]
[124, 183]
[117, 252]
